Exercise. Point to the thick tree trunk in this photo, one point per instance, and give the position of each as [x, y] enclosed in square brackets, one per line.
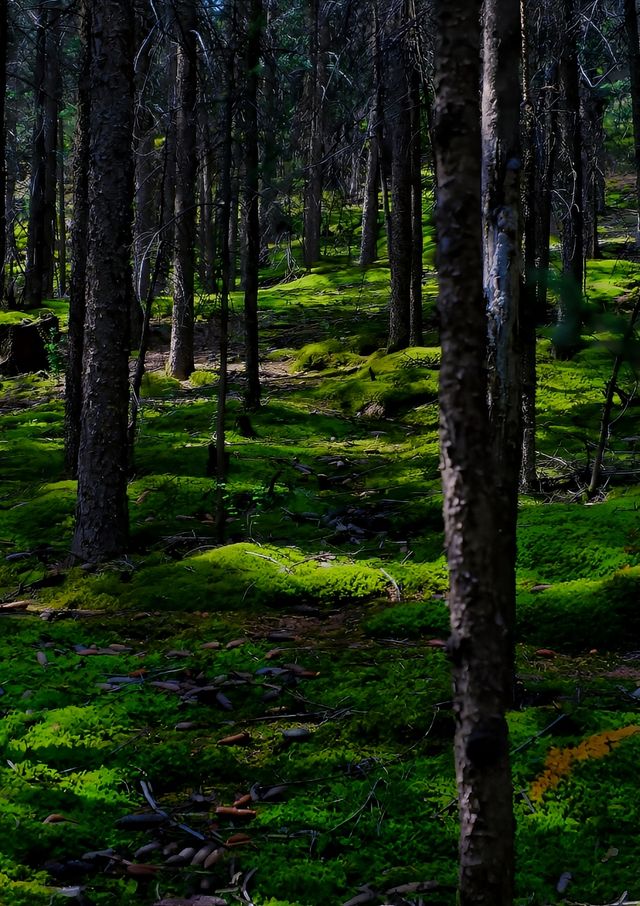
[397, 103]
[478, 644]
[101, 516]
[79, 226]
[41, 230]
[181, 362]
[252, 211]
[633, 44]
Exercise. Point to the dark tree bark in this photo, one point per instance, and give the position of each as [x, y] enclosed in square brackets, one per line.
[417, 244]
[398, 122]
[479, 639]
[252, 210]
[569, 309]
[633, 44]
[3, 155]
[592, 107]
[168, 189]
[501, 166]
[318, 45]
[42, 211]
[144, 224]
[79, 227]
[181, 362]
[62, 218]
[101, 516]
[10, 208]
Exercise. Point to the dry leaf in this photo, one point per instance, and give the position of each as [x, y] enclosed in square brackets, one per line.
[56, 818]
[238, 739]
[142, 870]
[42, 658]
[235, 643]
[213, 858]
[232, 812]
[211, 645]
[545, 652]
[238, 840]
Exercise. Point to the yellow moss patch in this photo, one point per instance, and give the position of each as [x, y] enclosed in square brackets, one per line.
[560, 762]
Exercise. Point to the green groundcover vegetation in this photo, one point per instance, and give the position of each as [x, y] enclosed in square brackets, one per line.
[269, 721]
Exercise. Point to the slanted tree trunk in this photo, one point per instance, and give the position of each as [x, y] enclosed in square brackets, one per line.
[478, 643]
[633, 45]
[181, 362]
[79, 227]
[101, 530]
[251, 203]
[501, 165]
[398, 121]
[3, 155]
[42, 211]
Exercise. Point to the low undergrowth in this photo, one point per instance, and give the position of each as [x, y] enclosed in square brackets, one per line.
[272, 717]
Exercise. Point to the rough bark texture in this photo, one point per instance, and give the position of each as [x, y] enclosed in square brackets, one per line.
[479, 632]
[501, 166]
[62, 214]
[42, 211]
[399, 127]
[181, 362]
[631, 28]
[101, 516]
[79, 226]
[252, 210]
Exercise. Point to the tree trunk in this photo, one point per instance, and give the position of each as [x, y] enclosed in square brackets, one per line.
[3, 155]
[79, 227]
[10, 209]
[181, 362]
[41, 229]
[62, 219]
[501, 274]
[101, 516]
[478, 644]
[252, 211]
[397, 103]
[570, 303]
[633, 44]
[415, 314]
[592, 109]
[145, 171]
[168, 189]
[318, 45]
[369, 238]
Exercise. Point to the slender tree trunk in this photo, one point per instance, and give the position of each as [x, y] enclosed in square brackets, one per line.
[478, 643]
[207, 217]
[41, 230]
[570, 303]
[168, 189]
[10, 256]
[234, 215]
[318, 45]
[269, 150]
[415, 314]
[633, 44]
[369, 238]
[79, 227]
[546, 157]
[181, 362]
[225, 216]
[3, 155]
[502, 274]
[101, 530]
[62, 219]
[251, 185]
[399, 127]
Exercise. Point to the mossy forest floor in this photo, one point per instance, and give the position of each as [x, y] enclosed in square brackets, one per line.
[269, 721]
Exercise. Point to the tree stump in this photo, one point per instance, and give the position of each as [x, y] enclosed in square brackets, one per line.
[23, 346]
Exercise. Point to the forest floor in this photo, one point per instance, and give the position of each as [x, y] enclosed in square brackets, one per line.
[269, 721]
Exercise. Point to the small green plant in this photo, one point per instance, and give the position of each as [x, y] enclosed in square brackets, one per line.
[53, 349]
